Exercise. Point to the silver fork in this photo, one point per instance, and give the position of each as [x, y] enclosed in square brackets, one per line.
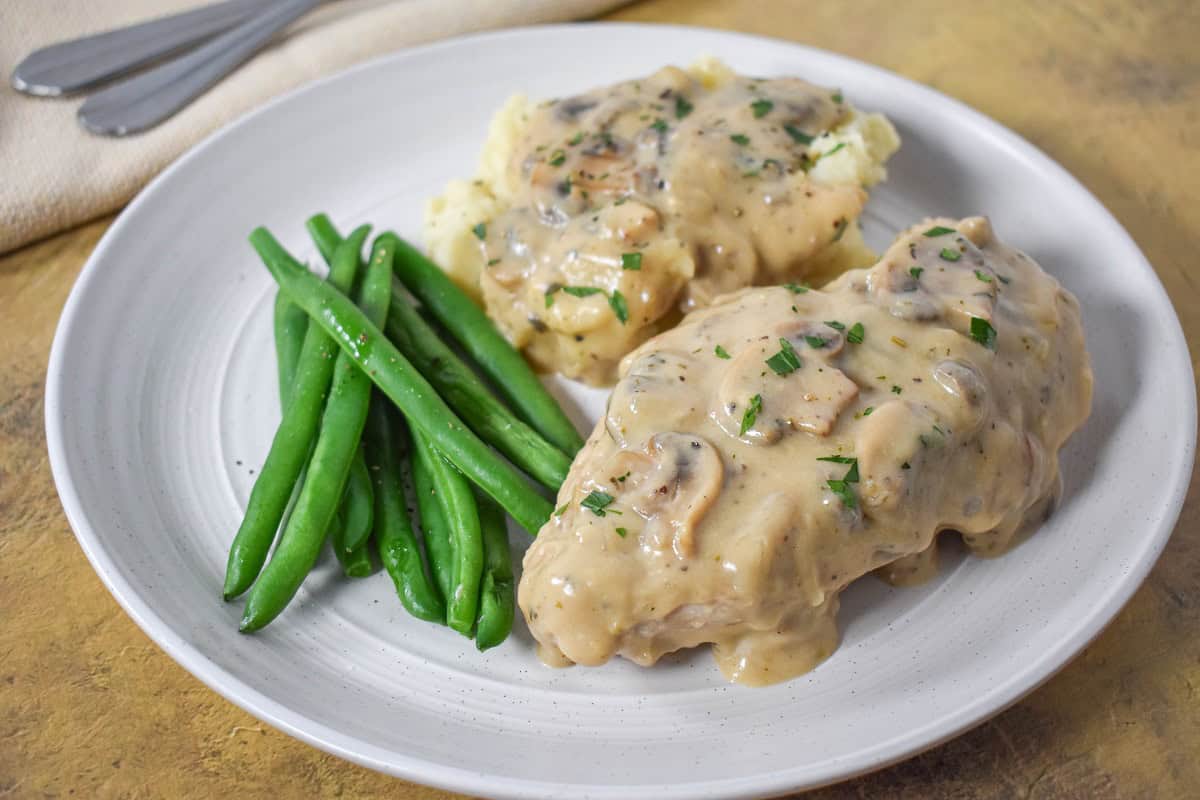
[140, 102]
[68, 67]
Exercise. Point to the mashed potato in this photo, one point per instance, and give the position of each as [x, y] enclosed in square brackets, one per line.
[709, 181]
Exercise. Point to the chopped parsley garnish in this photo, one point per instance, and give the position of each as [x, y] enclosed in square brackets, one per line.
[839, 146]
[916, 273]
[721, 352]
[796, 288]
[851, 476]
[631, 261]
[798, 136]
[896, 389]
[761, 108]
[837, 326]
[751, 414]
[493, 262]
[844, 492]
[740, 139]
[815, 342]
[596, 502]
[659, 125]
[682, 107]
[837, 97]
[866, 412]
[582, 291]
[557, 158]
[785, 362]
[616, 301]
[949, 254]
[983, 332]
[576, 139]
[840, 228]
[856, 333]
[558, 512]
[939, 230]
[622, 532]
[480, 231]
[564, 186]
[983, 276]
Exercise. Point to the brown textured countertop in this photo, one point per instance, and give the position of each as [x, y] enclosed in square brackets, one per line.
[90, 708]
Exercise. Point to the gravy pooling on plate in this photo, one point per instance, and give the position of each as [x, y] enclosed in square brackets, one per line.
[781, 443]
[611, 212]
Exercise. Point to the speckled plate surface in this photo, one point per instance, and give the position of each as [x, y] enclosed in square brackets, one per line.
[160, 403]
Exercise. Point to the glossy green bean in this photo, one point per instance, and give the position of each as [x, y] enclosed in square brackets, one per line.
[460, 515]
[496, 601]
[350, 526]
[436, 534]
[403, 385]
[293, 440]
[394, 537]
[376, 294]
[507, 368]
[468, 395]
[291, 323]
[354, 521]
[335, 452]
[324, 235]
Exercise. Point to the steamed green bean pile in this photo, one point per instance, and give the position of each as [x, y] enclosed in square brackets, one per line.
[366, 414]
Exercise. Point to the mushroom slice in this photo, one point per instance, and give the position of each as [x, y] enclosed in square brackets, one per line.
[963, 382]
[887, 445]
[651, 393]
[671, 482]
[947, 276]
[808, 397]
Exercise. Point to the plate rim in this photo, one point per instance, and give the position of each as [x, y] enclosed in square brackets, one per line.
[418, 770]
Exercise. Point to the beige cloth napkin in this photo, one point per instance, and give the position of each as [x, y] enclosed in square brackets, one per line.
[53, 174]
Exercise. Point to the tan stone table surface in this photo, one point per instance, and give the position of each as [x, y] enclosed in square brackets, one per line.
[90, 708]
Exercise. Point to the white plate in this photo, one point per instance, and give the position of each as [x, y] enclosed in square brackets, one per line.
[160, 401]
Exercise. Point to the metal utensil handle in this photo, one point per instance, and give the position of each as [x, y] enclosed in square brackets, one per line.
[145, 100]
[79, 64]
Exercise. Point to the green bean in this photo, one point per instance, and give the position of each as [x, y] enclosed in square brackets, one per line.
[324, 235]
[403, 385]
[433, 523]
[358, 489]
[290, 326]
[490, 350]
[468, 395]
[394, 537]
[496, 600]
[461, 516]
[356, 563]
[354, 521]
[376, 294]
[336, 449]
[293, 439]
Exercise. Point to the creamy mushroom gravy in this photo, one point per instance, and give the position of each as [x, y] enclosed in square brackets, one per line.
[778, 445]
[647, 198]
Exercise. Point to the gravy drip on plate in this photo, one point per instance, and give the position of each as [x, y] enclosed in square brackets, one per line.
[780, 444]
[651, 197]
